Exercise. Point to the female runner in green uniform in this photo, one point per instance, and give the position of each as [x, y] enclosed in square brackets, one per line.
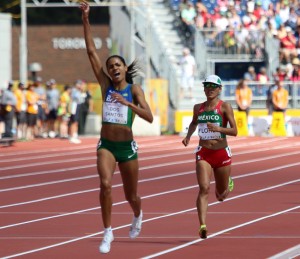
[213, 153]
[121, 101]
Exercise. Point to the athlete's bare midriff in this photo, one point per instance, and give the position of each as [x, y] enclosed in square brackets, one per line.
[115, 132]
[214, 143]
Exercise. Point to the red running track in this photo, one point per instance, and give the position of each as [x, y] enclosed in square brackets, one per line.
[49, 201]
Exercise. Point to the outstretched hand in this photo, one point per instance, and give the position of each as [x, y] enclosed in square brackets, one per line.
[185, 141]
[85, 8]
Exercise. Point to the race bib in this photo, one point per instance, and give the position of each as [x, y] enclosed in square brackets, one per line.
[205, 133]
[23, 107]
[115, 113]
[73, 108]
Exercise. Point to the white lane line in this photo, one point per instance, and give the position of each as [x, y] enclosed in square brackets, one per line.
[148, 167]
[65, 154]
[97, 189]
[144, 197]
[220, 232]
[94, 157]
[145, 180]
[144, 237]
[292, 252]
[27, 152]
[92, 149]
[61, 149]
[142, 159]
[165, 216]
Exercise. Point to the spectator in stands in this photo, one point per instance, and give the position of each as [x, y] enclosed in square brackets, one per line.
[250, 6]
[267, 5]
[255, 40]
[201, 8]
[242, 36]
[295, 77]
[297, 36]
[263, 79]
[243, 96]
[63, 112]
[21, 108]
[183, 5]
[280, 98]
[270, 30]
[229, 41]
[262, 76]
[281, 74]
[188, 16]
[293, 19]
[8, 103]
[187, 65]
[235, 20]
[85, 107]
[269, 100]
[250, 75]
[52, 95]
[76, 101]
[216, 14]
[258, 11]
[222, 22]
[202, 15]
[32, 99]
[283, 9]
[222, 3]
[41, 127]
[288, 44]
[210, 32]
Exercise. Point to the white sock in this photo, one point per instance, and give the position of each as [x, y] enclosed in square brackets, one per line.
[106, 230]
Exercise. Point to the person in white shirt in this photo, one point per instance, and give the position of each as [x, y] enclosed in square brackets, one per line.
[188, 70]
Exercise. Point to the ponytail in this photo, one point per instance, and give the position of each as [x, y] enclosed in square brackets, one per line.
[133, 70]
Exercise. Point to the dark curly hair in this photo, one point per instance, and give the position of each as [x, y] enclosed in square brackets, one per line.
[133, 69]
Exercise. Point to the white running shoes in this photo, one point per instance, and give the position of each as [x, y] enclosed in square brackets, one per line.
[75, 140]
[107, 239]
[108, 236]
[136, 226]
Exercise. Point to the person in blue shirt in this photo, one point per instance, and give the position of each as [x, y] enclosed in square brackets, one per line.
[8, 102]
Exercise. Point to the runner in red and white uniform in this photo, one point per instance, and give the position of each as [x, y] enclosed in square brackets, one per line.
[215, 120]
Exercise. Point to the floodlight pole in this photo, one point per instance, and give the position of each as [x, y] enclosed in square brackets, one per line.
[132, 32]
[148, 43]
[23, 43]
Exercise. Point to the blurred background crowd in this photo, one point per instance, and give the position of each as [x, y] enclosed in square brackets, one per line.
[41, 110]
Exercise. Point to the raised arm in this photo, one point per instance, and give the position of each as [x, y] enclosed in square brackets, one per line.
[96, 63]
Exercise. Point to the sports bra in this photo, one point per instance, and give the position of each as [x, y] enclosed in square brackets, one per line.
[115, 112]
[215, 117]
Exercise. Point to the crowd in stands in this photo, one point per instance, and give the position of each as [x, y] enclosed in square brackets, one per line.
[42, 111]
[277, 96]
[240, 26]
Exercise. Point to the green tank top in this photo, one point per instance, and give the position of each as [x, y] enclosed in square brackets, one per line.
[115, 112]
[216, 117]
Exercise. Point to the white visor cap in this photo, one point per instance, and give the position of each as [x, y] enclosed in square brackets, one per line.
[213, 79]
